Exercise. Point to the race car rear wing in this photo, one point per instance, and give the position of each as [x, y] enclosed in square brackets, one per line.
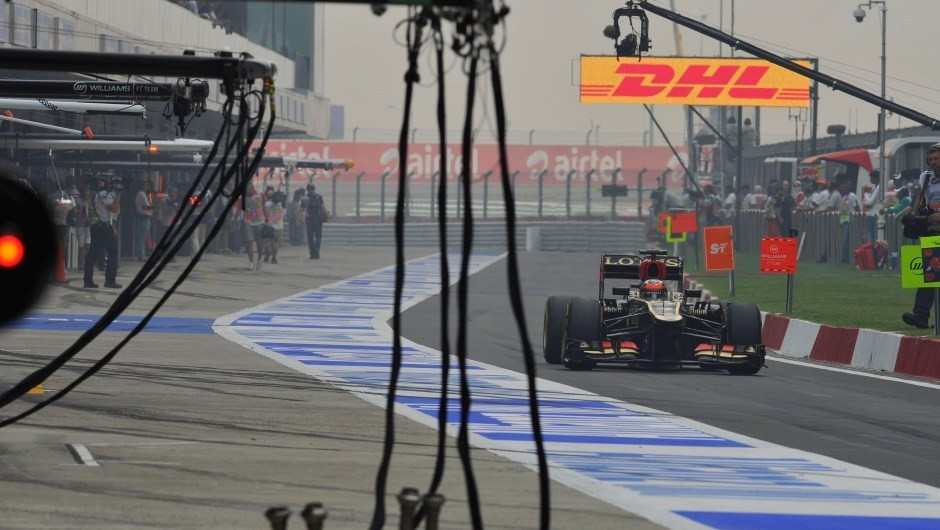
[627, 267]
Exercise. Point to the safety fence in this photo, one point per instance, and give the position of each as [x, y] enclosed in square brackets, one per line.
[362, 197]
[821, 233]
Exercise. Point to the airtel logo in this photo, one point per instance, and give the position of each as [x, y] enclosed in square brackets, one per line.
[774, 248]
[718, 248]
[80, 88]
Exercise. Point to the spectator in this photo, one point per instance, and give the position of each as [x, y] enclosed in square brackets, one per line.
[758, 198]
[785, 204]
[61, 206]
[873, 205]
[797, 193]
[254, 220]
[728, 206]
[747, 197]
[849, 204]
[82, 233]
[144, 212]
[316, 213]
[903, 197]
[295, 221]
[712, 206]
[275, 210]
[103, 212]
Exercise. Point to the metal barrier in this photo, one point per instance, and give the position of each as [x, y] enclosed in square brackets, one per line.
[364, 198]
[823, 233]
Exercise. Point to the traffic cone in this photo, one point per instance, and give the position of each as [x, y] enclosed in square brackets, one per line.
[59, 276]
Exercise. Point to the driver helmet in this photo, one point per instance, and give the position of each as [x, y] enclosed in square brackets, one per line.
[653, 290]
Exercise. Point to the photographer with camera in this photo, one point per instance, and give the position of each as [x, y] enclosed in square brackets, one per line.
[102, 213]
[924, 219]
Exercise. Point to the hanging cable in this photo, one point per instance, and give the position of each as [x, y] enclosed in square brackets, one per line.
[148, 273]
[515, 292]
[466, 174]
[444, 405]
[413, 34]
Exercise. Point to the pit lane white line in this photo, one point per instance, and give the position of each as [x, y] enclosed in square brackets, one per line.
[82, 455]
[779, 357]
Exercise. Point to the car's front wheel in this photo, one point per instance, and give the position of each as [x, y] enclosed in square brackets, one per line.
[744, 329]
[584, 322]
[553, 330]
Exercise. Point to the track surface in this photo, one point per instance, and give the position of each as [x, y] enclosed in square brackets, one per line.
[879, 424]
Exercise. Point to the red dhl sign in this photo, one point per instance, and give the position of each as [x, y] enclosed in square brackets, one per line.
[701, 81]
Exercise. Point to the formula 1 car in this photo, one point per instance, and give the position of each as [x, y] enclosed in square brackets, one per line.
[649, 325]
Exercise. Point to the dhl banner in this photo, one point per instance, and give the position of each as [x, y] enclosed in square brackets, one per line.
[695, 81]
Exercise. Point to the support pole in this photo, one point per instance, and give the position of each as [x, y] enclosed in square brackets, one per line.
[587, 193]
[382, 197]
[568, 193]
[358, 195]
[639, 192]
[541, 189]
[486, 193]
[333, 191]
[613, 197]
[433, 182]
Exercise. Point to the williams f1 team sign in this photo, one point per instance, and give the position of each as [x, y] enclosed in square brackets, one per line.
[695, 81]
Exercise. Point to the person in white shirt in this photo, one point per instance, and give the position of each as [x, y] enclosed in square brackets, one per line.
[103, 212]
[144, 211]
[254, 221]
[873, 205]
[848, 204]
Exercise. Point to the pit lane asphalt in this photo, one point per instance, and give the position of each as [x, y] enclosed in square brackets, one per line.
[191, 430]
[876, 423]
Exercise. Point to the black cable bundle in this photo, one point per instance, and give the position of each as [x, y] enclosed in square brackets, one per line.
[164, 251]
[471, 25]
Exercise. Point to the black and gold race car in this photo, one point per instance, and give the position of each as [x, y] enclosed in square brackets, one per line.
[647, 324]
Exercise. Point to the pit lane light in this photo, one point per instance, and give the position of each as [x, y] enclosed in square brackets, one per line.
[28, 245]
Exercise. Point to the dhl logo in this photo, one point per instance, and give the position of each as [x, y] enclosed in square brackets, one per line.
[746, 82]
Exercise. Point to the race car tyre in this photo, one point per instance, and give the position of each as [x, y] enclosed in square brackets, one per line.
[744, 329]
[583, 323]
[584, 319]
[556, 309]
[744, 326]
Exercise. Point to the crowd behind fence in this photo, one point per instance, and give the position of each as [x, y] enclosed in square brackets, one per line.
[820, 233]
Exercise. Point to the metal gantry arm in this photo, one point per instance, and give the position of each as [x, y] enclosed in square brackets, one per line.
[761, 53]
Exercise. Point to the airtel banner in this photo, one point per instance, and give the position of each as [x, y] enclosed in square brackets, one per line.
[375, 159]
[698, 81]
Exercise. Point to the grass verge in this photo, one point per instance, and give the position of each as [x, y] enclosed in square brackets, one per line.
[837, 295]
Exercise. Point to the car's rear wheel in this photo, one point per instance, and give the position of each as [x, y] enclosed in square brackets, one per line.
[553, 329]
[744, 329]
[584, 322]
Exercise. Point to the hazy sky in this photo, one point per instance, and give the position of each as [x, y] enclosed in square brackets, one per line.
[546, 37]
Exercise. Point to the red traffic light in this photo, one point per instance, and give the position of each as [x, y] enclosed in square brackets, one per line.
[11, 251]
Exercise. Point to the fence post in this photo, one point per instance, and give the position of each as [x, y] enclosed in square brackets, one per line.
[613, 197]
[541, 187]
[382, 197]
[407, 205]
[486, 192]
[358, 193]
[568, 193]
[433, 181]
[587, 193]
[333, 203]
[639, 193]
